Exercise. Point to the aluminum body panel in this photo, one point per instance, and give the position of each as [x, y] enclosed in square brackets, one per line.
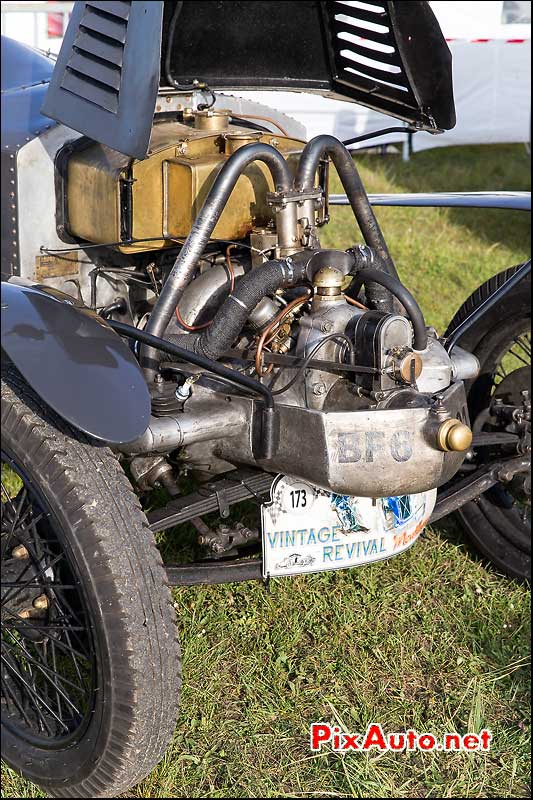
[115, 105]
[24, 76]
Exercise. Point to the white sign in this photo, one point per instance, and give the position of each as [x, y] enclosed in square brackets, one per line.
[306, 529]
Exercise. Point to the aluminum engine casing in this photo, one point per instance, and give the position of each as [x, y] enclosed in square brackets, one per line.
[368, 453]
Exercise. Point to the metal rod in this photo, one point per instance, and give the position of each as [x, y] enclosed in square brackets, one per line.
[511, 201]
[475, 485]
[364, 137]
[200, 572]
[494, 299]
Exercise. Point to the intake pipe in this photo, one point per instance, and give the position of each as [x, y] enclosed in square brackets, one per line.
[327, 145]
[200, 233]
[231, 317]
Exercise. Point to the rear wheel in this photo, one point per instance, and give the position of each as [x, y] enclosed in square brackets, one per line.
[90, 659]
[499, 522]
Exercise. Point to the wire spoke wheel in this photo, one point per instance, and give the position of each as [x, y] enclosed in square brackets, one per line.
[498, 523]
[90, 662]
[47, 652]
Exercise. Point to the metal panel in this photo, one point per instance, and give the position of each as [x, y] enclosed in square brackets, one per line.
[106, 78]
[112, 59]
[340, 456]
[390, 56]
[25, 73]
[75, 362]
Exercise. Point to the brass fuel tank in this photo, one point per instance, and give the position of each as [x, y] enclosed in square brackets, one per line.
[108, 197]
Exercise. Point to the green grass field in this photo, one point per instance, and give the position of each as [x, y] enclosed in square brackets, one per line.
[431, 640]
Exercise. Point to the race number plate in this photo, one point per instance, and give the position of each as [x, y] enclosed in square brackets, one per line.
[306, 529]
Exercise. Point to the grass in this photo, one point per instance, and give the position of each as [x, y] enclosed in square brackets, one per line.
[432, 640]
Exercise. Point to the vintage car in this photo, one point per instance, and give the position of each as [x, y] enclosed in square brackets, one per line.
[170, 321]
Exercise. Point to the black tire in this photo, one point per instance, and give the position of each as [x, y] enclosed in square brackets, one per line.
[106, 541]
[493, 523]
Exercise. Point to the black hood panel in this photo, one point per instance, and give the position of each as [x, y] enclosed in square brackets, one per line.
[389, 56]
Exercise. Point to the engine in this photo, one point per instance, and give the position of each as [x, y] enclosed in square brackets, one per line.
[212, 242]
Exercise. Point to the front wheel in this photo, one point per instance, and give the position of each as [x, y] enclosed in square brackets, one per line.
[499, 522]
[90, 659]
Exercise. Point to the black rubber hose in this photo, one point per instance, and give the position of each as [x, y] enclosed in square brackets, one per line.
[402, 294]
[316, 149]
[377, 296]
[200, 233]
[231, 317]
[119, 306]
[238, 378]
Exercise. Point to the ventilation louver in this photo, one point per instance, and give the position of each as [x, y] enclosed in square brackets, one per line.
[364, 45]
[107, 73]
[94, 68]
[391, 57]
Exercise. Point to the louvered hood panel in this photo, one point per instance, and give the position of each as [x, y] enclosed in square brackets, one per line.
[106, 77]
[389, 56]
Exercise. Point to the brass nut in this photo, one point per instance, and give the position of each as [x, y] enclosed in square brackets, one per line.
[454, 436]
[20, 551]
[25, 613]
[41, 602]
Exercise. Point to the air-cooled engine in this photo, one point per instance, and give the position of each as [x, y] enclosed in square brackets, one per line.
[212, 242]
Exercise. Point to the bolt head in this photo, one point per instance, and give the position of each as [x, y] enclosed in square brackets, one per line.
[41, 602]
[20, 551]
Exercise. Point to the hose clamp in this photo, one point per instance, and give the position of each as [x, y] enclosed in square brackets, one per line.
[289, 269]
[239, 302]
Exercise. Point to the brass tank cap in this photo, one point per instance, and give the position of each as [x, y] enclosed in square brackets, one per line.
[454, 436]
[410, 366]
[328, 281]
[211, 120]
[235, 140]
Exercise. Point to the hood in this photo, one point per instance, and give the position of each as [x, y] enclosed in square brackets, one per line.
[389, 56]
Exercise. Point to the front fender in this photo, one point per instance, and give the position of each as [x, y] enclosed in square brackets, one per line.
[75, 362]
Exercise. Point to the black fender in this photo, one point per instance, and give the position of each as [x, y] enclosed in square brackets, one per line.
[75, 362]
